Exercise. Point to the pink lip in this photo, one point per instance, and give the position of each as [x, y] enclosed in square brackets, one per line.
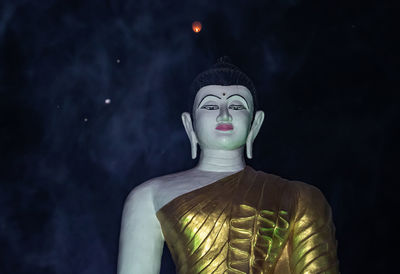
[224, 127]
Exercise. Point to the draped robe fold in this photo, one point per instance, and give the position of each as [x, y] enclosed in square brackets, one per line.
[250, 222]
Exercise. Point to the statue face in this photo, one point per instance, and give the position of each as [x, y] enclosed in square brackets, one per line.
[222, 116]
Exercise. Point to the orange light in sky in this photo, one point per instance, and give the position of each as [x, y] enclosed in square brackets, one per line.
[196, 26]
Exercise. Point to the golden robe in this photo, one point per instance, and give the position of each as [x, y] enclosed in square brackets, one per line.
[250, 222]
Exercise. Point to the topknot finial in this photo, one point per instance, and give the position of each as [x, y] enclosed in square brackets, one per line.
[224, 59]
[225, 62]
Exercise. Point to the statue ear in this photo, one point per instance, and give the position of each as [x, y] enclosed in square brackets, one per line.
[255, 128]
[187, 123]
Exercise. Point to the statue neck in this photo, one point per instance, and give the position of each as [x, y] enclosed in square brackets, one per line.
[221, 160]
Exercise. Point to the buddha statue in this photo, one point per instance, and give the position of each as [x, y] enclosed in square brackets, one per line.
[222, 216]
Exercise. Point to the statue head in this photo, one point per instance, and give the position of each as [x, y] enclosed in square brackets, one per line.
[225, 115]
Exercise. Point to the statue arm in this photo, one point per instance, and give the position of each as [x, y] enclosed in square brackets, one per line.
[313, 244]
[141, 240]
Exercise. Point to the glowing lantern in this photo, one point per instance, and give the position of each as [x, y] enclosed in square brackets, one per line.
[196, 26]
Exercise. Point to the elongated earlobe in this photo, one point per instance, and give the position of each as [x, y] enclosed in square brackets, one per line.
[193, 145]
[187, 123]
[249, 148]
[255, 128]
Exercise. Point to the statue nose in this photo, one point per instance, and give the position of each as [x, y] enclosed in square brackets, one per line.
[224, 115]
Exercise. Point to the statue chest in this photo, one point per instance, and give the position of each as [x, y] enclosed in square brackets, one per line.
[225, 227]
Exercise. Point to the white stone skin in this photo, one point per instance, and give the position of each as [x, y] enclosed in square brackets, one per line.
[222, 154]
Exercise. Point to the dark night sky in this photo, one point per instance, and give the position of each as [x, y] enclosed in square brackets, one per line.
[325, 77]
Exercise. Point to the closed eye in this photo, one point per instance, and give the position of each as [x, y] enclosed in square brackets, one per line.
[210, 107]
[236, 107]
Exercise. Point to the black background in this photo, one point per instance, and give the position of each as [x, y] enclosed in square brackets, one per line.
[325, 77]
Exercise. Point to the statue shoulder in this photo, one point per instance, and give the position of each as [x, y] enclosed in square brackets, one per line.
[295, 189]
[310, 200]
[149, 190]
[145, 188]
[306, 191]
[142, 195]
